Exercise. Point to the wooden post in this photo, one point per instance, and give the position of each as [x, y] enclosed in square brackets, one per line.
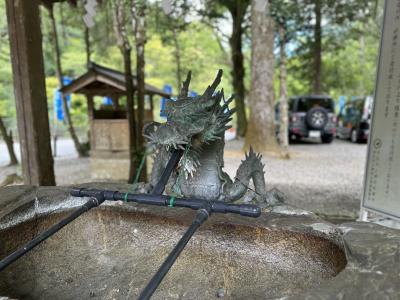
[151, 102]
[90, 111]
[30, 93]
[115, 101]
[90, 106]
[151, 106]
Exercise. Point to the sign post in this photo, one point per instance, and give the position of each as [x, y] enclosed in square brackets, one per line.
[382, 176]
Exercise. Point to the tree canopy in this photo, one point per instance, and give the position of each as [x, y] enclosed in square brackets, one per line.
[349, 41]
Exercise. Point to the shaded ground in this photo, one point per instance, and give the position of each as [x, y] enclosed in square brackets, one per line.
[326, 179]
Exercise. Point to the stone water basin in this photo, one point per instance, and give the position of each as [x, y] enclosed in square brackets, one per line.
[112, 251]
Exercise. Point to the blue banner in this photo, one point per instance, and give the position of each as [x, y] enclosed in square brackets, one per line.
[58, 102]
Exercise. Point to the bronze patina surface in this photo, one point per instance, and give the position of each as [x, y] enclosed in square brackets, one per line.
[197, 125]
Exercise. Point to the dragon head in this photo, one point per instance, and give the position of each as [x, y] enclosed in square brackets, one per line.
[192, 121]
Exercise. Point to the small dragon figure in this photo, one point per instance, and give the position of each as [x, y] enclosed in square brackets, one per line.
[197, 125]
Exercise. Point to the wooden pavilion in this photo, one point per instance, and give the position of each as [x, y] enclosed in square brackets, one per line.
[109, 131]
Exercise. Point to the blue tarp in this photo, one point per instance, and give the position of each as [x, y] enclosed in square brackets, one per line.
[341, 103]
[107, 101]
[192, 94]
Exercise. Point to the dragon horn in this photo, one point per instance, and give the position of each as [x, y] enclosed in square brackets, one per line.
[185, 86]
[251, 151]
[211, 88]
[231, 111]
[228, 101]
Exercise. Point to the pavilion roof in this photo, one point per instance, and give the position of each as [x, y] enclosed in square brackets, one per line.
[103, 81]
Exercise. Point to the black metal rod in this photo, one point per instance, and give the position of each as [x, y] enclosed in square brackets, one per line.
[49, 232]
[97, 199]
[148, 291]
[173, 161]
[247, 210]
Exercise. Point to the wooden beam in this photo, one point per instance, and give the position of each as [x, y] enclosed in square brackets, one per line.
[95, 91]
[49, 3]
[111, 81]
[30, 93]
[79, 83]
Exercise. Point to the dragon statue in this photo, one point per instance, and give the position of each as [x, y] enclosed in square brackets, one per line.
[197, 125]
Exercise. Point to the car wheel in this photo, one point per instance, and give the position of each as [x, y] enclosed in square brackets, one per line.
[354, 136]
[327, 138]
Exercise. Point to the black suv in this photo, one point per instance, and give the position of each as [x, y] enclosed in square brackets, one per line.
[354, 120]
[312, 116]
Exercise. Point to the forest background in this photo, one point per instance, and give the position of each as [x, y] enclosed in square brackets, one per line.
[199, 37]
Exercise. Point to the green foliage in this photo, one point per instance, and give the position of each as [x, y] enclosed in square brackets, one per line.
[338, 19]
[7, 107]
[350, 48]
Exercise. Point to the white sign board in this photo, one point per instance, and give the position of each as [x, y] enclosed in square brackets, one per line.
[382, 178]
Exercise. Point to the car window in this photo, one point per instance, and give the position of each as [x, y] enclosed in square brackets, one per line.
[305, 104]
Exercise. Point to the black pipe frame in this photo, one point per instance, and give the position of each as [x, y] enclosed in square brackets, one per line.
[247, 210]
[172, 163]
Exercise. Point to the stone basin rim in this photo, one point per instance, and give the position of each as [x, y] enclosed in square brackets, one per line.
[238, 232]
[363, 266]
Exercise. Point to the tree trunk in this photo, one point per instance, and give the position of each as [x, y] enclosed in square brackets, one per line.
[362, 63]
[87, 45]
[123, 44]
[62, 23]
[82, 152]
[238, 72]
[261, 130]
[317, 87]
[8, 139]
[130, 114]
[283, 105]
[177, 53]
[138, 23]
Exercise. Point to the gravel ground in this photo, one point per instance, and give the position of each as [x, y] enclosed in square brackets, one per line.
[323, 178]
[326, 179]
[69, 170]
